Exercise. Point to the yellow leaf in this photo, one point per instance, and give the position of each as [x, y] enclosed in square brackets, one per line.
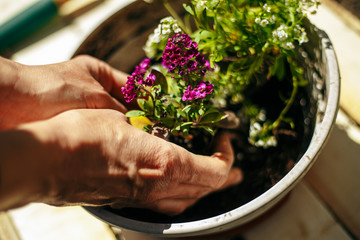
[140, 122]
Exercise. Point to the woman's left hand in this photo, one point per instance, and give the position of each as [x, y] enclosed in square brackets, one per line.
[30, 93]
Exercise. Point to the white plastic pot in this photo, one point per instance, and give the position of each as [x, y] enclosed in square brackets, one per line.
[119, 41]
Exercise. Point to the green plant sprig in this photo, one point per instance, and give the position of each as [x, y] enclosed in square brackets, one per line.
[247, 42]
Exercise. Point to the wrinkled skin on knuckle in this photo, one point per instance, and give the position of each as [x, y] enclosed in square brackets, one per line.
[96, 99]
[220, 178]
[158, 175]
[170, 162]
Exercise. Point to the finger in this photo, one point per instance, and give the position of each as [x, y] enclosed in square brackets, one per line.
[103, 100]
[111, 79]
[111, 103]
[173, 206]
[102, 72]
[223, 149]
[185, 191]
[213, 171]
[235, 177]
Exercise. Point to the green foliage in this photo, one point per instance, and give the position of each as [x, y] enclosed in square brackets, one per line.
[247, 43]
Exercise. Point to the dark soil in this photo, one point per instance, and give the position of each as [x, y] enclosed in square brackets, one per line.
[352, 6]
[262, 168]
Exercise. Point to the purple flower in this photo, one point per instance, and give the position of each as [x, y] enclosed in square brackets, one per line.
[136, 79]
[145, 64]
[192, 65]
[150, 80]
[182, 61]
[182, 56]
[189, 94]
[130, 90]
[200, 91]
[189, 53]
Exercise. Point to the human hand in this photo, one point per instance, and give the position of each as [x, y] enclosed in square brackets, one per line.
[30, 93]
[97, 159]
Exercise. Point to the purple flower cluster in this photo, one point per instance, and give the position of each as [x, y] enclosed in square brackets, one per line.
[137, 79]
[181, 54]
[200, 91]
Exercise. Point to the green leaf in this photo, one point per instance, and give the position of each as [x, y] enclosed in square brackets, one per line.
[208, 129]
[177, 126]
[278, 69]
[212, 117]
[135, 113]
[186, 109]
[146, 128]
[145, 105]
[211, 110]
[186, 124]
[160, 80]
[188, 9]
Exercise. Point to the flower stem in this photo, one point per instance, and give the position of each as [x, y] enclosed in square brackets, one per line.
[288, 104]
[176, 17]
[153, 100]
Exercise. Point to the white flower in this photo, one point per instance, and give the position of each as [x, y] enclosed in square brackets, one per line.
[259, 143]
[303, 38]
[264, 22]
[257, 20]
[271, 142]
[167, 20]
[289, 45]
[273, 19]
[202, 3]
[176, 28]
[165, 29]
[262, 115]
[207, 4]
[267, 8]
[280, 34]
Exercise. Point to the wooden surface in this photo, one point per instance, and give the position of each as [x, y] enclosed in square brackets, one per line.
[325, 205]
[344, 31]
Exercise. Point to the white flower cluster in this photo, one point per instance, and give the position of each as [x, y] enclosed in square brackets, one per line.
[265, 142]
[167, 26]
[308, 5]
[282, 33]
[266, 17]
[257, 133]
[301, 34]
[201, 4]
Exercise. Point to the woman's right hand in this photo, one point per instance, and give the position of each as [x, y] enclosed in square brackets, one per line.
[95, 157]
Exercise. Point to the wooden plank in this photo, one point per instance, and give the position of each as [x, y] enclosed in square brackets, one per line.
[335, 175]
[8, 230]
[346, 43]
[44, 222]
[350, 19]
[303, 216]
